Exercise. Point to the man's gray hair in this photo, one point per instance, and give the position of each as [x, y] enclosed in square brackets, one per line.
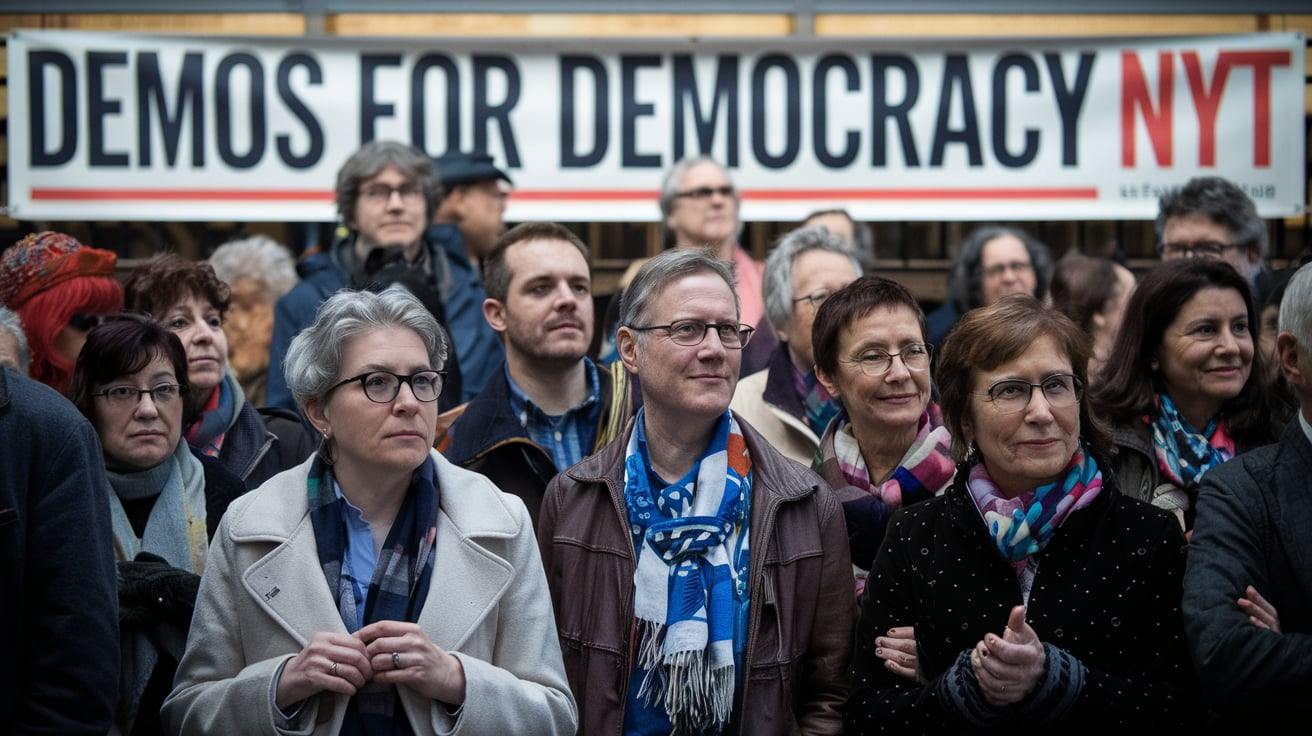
[1222, 202]
[314, 358]
[863, 238]
[664, 269]
[777, 283]
[1296, 308]
[10, 322]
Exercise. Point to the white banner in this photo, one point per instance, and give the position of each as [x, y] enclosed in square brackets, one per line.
[145, 127]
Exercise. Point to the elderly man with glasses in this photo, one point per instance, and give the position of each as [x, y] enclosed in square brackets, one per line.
[785, 402]
[699, 578]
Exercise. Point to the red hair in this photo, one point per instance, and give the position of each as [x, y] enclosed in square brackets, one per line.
[47, 312]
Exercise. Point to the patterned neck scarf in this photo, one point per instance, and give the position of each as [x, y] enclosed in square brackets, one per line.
[693, 557]
[1184, 453]
[925, 470]
[206, 433]
[1020, 534]
[819, 406]
[398, 587]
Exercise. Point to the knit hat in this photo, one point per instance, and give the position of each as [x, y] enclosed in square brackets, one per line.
[45, 259]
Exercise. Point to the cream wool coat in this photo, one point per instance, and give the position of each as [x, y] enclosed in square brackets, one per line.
[263, 595]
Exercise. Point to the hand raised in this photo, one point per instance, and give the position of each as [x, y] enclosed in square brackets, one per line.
[1009, 666]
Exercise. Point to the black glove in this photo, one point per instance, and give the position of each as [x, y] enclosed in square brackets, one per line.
[152, 591]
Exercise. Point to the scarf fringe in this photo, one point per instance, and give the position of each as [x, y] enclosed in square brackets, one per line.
[698, 698]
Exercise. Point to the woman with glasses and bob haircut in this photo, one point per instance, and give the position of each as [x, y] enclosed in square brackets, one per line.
[130, 381]
[1038, 592]
[887, 447]
[376, 587]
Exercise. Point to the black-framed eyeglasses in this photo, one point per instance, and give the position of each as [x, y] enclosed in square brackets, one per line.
[690, 332]
[816, 299]
[1012, 395]
[383, 192]
[124, 395]
[875, 363]
[1201, 249]
[382, 387]
[87, 322]
[726, 190]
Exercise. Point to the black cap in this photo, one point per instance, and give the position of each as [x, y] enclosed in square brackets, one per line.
[456, 168]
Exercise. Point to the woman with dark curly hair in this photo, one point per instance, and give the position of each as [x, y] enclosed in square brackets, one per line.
[190, 300]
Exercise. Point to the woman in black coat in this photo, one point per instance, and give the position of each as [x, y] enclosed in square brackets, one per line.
[1039, 595]
[130, 381]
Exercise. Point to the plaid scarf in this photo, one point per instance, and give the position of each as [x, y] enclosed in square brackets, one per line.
[1019, 534]
[692, 563]
[924, 471]
[818, 406]
[398, 587]
[1184, 453]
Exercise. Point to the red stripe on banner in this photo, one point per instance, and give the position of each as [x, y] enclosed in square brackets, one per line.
[581, 195]
[182, 195]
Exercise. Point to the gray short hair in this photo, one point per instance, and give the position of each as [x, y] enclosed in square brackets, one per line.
[665, 268]
[1296, 308]
[863, 238]
[670, 189]
[371, 159]
[315, 356]
[777, 283]
[10, 322]
[260, 258]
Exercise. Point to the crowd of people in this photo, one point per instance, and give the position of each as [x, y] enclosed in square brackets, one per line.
[392, 487]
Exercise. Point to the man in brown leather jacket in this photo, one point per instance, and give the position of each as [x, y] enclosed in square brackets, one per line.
[701, 581]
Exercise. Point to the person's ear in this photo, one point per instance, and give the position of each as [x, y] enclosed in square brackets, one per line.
[827, 382]
[318, 416]
[495, 314]
[1287, 354]
[626, 343]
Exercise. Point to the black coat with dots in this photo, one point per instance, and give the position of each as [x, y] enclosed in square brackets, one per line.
[1107, 590]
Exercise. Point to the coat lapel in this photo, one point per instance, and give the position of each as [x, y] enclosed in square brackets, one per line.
[468, 583]
[288, 583]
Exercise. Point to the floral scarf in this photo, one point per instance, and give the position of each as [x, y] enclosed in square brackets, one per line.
[691, 561]
[1184, 453]
[1024, 525]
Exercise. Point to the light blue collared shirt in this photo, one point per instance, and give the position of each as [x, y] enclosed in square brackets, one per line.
[569, 437]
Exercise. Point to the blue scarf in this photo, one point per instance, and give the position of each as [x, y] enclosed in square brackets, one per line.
[1184, 453]
[397, 589]
[692, 564]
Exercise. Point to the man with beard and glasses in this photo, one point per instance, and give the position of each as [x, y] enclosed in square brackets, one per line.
[549, 406]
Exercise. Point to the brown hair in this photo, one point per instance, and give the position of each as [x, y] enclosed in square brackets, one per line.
[987, 337]
[496, 271]
[157, 285]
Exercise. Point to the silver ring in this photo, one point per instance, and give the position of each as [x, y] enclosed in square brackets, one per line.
[333, 670]
[396, 660]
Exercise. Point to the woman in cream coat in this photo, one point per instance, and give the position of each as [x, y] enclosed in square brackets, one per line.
[375, 588]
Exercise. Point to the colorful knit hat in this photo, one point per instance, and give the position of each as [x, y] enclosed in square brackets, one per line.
[45, 259]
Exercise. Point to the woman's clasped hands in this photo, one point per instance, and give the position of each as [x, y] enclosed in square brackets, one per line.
[392, 652]
[1009, 666]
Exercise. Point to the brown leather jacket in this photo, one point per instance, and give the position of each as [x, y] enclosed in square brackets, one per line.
[802, 612]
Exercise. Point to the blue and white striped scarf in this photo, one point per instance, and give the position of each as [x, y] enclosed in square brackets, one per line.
[693, 555]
